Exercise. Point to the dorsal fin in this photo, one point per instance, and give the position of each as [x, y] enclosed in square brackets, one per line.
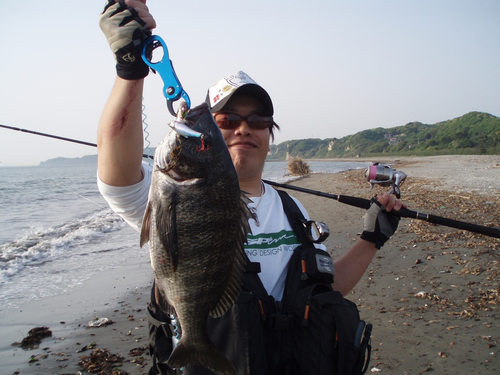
[233, 287]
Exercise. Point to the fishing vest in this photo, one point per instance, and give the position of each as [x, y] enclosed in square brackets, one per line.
[313, 330]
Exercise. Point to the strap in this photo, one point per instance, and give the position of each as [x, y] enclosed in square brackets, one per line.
[295, 217]
[167, 327]
[252, 267]
[155, 321]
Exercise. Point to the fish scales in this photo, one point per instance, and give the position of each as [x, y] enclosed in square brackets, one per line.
[196, 223]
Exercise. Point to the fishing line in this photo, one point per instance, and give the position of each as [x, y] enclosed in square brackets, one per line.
[81, 196]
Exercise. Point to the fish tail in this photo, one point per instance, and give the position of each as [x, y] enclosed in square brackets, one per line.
[205, 354]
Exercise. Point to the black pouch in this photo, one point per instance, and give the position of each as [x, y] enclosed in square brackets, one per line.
[332, 338]
[317, 264]
[239, 335]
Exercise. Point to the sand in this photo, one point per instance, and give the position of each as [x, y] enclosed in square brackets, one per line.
[432, 293]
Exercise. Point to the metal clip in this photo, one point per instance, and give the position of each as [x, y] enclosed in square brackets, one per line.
[172, 88]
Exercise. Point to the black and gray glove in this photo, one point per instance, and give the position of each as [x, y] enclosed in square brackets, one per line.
[125, 32]
[379, 224]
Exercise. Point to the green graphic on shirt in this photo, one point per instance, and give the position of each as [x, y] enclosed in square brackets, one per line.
[272, 240]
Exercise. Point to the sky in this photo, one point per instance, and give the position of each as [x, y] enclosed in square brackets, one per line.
[332, 67]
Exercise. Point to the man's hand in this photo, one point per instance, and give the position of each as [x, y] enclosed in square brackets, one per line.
[380, 224]
[126, 24]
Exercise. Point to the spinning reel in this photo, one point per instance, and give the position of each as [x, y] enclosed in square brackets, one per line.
[385, 175]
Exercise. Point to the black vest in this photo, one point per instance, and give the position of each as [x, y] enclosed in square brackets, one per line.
[312, 331]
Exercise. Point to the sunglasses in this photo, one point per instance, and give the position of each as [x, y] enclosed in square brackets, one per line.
[233, 120]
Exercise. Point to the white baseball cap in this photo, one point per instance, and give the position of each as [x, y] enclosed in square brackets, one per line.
[219, 93]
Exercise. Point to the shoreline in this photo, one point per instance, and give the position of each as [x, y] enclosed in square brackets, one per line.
[451, 327]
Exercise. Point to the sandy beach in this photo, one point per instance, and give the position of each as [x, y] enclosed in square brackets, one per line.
[432, 293]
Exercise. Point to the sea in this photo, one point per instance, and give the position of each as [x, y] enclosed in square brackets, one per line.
[56, 231]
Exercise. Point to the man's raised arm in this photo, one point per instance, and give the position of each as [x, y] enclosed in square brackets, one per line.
[126, 24]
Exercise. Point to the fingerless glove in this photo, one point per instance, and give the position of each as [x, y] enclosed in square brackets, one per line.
[125, 32]
[379, 225]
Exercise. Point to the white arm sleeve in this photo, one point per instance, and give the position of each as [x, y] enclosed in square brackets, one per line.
[128, 201]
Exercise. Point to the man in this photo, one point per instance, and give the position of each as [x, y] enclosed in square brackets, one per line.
[244, 112]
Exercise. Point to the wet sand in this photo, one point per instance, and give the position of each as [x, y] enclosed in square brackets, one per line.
[432, 293]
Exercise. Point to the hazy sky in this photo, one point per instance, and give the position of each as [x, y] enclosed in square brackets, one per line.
[333, 68]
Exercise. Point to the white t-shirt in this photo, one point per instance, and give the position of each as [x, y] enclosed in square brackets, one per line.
[271, 243]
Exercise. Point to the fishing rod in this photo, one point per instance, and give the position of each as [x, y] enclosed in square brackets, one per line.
[384, 178]
[58, 137]
[403, 212]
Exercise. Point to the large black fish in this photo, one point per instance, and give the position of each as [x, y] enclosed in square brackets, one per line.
[196, 222]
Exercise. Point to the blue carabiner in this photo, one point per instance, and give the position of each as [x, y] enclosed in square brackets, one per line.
[172, 88]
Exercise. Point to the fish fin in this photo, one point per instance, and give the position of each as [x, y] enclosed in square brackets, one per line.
[204, 353]
[165, 305]
[233, 287]
[163, 302]
[146, 224]
[230, 294]
[166, 226]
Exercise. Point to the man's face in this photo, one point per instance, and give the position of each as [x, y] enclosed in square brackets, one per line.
[247, 145]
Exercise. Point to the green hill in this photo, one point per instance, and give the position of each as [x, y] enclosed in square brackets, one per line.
[474, 133]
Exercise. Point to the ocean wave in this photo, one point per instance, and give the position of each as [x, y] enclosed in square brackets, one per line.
[39, 245]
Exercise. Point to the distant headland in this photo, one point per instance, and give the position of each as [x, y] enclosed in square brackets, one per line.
[84, 160]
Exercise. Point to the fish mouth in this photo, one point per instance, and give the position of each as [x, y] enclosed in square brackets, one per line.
[174, 178]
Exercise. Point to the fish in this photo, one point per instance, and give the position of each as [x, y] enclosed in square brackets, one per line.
[196, 223]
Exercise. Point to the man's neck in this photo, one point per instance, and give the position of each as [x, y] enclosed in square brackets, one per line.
[253, 187]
